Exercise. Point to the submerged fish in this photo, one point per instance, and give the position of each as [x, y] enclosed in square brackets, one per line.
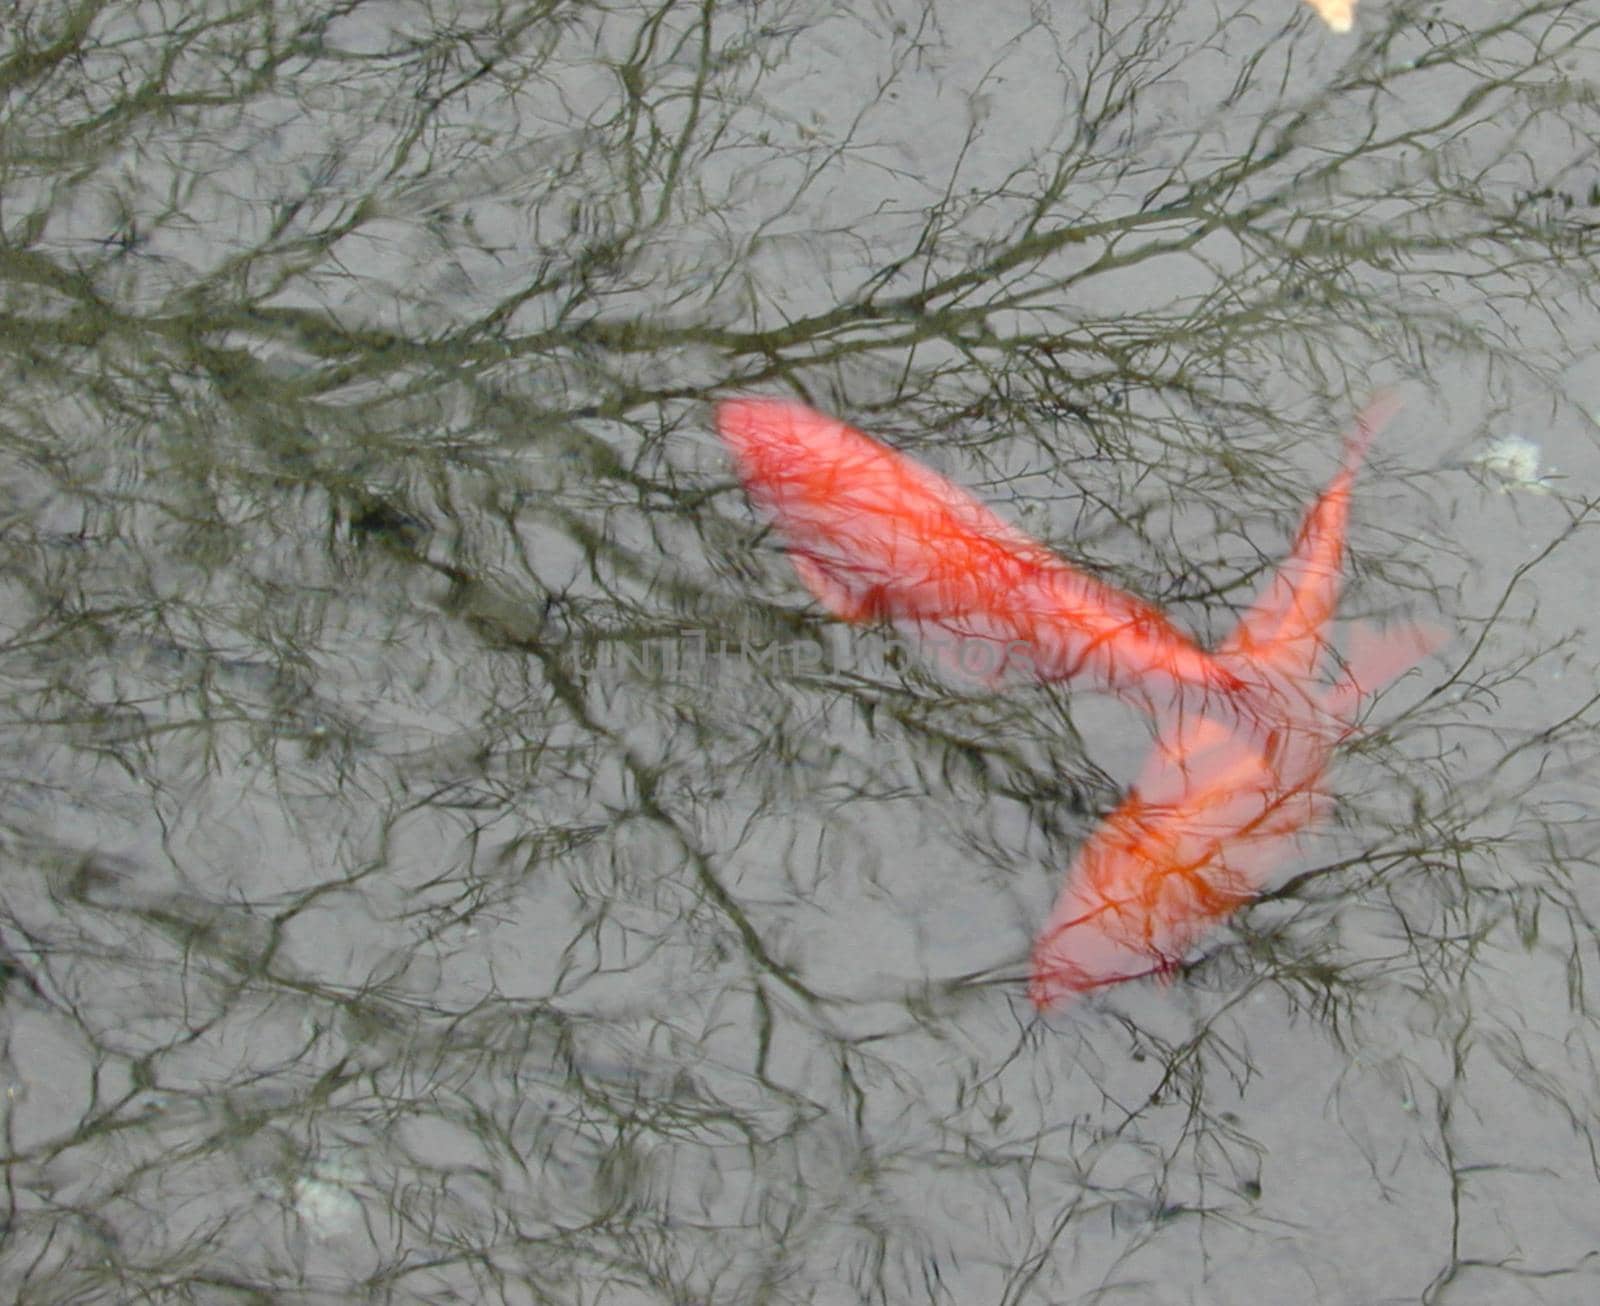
[875, 535]
[1338, 14]
[1220, 803]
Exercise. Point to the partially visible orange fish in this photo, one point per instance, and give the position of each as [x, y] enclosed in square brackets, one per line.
[1220, 803]
[875, 535]
[1338, 14]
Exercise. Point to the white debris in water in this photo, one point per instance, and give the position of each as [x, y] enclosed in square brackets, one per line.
[1515, 460]
[325, 1203]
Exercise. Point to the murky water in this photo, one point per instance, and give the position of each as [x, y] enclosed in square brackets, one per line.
[447, 856]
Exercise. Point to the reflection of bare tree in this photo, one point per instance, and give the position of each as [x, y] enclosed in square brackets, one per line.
[359, 941]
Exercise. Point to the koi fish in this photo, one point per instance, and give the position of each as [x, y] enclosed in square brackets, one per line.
[1340, 15]
[1220, 803]
[875, 535]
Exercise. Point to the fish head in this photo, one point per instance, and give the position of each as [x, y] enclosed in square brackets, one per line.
[1214, 814]
[1074, 961]
[874, 534]
[778, 443]
[1108, 925]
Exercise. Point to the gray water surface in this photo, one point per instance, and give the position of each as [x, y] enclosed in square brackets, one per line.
[447, 856]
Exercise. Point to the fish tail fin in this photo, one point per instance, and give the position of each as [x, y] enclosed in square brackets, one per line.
[1380, 410]
[1374, 657]
[1286, 625]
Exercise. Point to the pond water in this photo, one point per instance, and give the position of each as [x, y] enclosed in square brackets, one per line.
[448, 856]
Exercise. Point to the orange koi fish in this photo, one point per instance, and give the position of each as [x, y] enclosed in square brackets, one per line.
[1220, 803]
[875, 535]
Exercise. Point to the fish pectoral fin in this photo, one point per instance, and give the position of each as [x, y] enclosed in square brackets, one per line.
[1374, 657]
[859, 606]
[1167, 970]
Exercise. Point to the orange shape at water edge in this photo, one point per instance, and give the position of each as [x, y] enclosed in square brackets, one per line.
[1338, 14]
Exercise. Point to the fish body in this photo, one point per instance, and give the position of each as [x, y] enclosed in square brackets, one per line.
[876, 535]
[1221, 803]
